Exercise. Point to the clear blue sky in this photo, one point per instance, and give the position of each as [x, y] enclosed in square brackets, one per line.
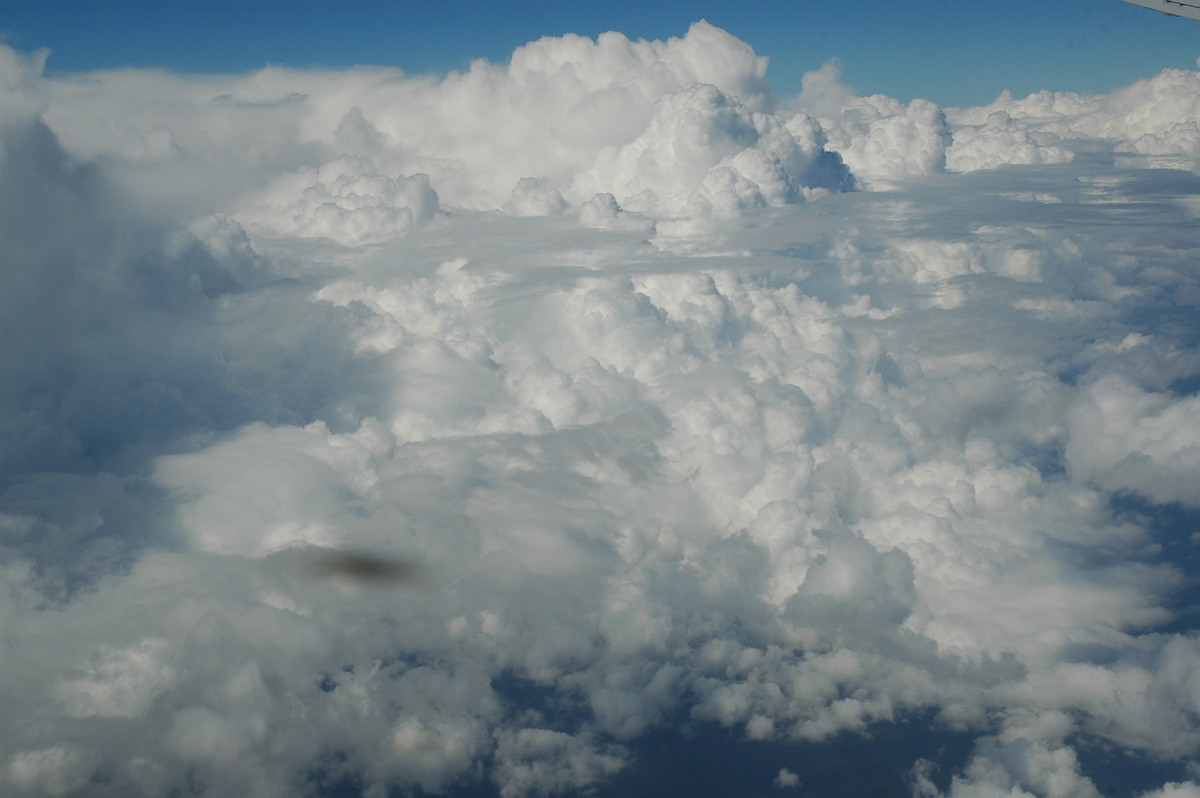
[952, 52]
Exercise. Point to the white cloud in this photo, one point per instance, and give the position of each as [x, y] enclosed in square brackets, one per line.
[535, 197]
[1000, 141]
[1124, 438]
[546, 762]
[122, 683]
[603, 212]
[346, 155]
[705, 153]
[343, 201]
[1174, 789]
[670, 423]
[1151, 117]
[882, 140]
[787, 779]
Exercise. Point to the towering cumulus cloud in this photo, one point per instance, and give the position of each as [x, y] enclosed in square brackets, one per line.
[374, 435]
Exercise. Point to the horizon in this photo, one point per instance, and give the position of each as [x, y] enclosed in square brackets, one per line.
[955, 54]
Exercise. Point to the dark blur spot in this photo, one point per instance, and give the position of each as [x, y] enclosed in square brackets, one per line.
[367, 569]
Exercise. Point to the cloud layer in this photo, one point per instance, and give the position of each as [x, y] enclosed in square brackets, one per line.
[684, 402]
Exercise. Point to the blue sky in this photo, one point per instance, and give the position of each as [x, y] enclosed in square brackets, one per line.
[955, 53]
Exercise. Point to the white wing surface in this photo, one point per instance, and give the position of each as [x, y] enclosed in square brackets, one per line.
[1176, 8]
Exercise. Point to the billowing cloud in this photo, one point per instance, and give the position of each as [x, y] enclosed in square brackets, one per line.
[882, 139]
[999, 141]
[1155, 116]
[651, 409]
[1128, 439]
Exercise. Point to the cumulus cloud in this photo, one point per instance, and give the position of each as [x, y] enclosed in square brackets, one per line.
[704, 153]
[603, 212]
[1000, 141]
[679, 420]
[360, 156]
[1020, 768]
[1154, 116]
[1175, 790]
[787, 779]
[1125, 438]
[881, 139]
[878, 137]
[535, 197]
[342, 201]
